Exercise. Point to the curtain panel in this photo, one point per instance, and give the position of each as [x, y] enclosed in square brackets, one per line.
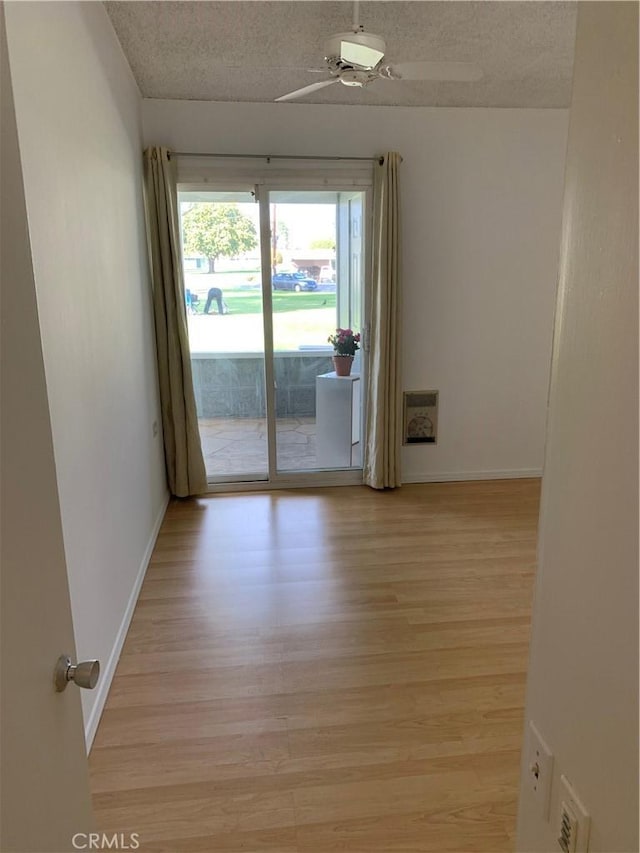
[186, 472]
[384, 412]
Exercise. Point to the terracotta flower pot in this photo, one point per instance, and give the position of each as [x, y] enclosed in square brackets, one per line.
[342, 364]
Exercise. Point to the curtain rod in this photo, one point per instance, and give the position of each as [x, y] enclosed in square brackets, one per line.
[270, 157]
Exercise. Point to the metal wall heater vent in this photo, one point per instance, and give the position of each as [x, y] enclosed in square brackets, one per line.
[420, 417]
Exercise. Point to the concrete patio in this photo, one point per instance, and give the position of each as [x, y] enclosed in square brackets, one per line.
[238, 446]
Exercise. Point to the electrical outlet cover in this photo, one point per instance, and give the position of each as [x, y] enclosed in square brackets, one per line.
[539, 770]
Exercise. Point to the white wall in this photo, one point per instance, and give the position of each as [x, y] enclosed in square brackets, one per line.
[78, 116]
[481, 204]
[583, 673]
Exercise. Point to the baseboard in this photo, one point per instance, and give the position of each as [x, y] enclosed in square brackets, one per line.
[456, 476]
[354, 478]
[107, 672]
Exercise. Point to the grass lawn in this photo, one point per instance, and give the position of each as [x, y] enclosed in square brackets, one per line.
[244, 332]
[251, 302]
[299, 320]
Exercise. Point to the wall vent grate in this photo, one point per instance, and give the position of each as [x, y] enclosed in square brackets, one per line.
[420, 417]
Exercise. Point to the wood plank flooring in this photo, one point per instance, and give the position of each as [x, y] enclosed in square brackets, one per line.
[338, 669]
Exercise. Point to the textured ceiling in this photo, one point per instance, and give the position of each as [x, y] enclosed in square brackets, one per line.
[256, 51]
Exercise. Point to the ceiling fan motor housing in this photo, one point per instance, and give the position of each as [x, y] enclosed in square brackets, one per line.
[357, 49]
[355, 77]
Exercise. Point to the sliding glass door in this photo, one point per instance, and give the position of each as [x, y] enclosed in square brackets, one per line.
[269, 274]
[317, 287]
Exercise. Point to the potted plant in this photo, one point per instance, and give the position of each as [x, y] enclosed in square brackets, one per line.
[345, 344]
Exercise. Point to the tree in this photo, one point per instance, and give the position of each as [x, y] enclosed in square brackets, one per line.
[282, 232]
[323, 243]
[279, 238]
[218, 230]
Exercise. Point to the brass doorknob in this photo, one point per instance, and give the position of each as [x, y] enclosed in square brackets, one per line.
[84, 674]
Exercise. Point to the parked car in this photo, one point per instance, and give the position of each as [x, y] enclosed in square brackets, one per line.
[293, 281]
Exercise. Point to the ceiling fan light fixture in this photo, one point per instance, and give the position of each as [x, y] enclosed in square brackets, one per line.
[360, 54]
[364, 50]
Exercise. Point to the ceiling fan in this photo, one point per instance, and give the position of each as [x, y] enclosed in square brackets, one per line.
[356, 59]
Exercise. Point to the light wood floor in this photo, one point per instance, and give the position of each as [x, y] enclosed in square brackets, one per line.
[338, 669]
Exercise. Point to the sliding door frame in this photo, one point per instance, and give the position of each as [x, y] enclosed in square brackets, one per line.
[262, 188]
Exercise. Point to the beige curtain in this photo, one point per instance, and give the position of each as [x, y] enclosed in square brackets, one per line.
[183, 454]
[384, 413]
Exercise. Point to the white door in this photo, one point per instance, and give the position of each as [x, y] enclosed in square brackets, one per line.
[45, 786]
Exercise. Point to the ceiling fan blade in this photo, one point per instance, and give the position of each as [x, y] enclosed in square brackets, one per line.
[306, 90]
[462, 72]
[219, 67]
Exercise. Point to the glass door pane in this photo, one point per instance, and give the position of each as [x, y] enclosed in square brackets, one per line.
[222, 269]
[317, 286]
